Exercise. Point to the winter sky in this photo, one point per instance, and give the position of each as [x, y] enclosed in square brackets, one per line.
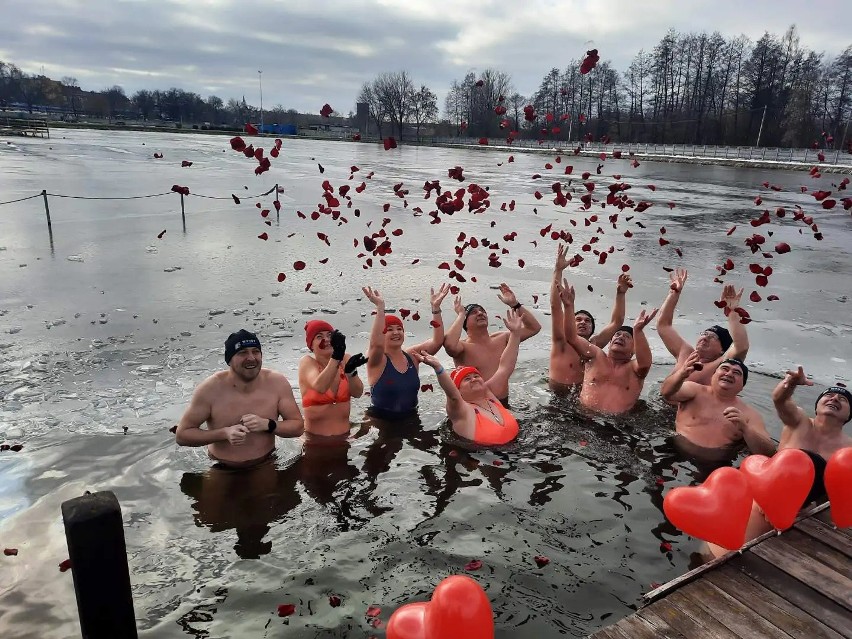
[313, 52]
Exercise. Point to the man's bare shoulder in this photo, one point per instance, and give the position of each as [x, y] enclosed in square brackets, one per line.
[213, 382]
[275, 378]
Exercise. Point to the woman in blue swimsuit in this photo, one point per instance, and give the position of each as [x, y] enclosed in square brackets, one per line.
[391, 370]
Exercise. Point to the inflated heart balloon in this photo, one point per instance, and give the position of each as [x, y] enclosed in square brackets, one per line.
[459, 610]
[780, 483]
[838, 485]
[717, 511]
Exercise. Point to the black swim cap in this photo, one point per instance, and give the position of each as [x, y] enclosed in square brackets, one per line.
[470, 308]
[724, 336]
[238, 341]
[626, 329]
[589, 315]
[840, 391]
[737, 362]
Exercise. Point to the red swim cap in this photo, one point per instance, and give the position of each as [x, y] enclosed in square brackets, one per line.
[461, 372]
[313, 327]
[392, 320]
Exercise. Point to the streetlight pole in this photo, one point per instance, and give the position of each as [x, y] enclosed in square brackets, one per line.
[260, 84]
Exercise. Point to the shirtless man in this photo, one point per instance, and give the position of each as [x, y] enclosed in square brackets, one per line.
[566, 367]
[613, 380]
[481, 349]
[714, 344]
[819, 436]
[241, 406]
[712, 418]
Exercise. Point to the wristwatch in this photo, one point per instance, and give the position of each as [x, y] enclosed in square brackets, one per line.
[272, 426]
[517, 306]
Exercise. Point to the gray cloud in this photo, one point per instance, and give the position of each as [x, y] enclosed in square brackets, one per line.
[322, 51]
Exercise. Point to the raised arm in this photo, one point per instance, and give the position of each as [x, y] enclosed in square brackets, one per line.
[509, 356]
[434, 344]
[643, 361]
[455, 404]
[189, 432]
[616, 321]
[556, 314]
[320, 381]
[789, 413]
[672, 340]
[584, 348]
[452, 337]
[739, 346]
[530, 325]
[376, 349]
[675, 387]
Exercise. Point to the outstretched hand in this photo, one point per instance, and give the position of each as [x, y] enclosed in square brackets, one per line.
[798, 377]
[458, 307]
[644, 319]
[374, 296]
[566, 292]
[506, 295]
[513, 321]
[423, 357]
[624, 282]
[435, 299]
[561, 258]
[678, 279]
[731, 297]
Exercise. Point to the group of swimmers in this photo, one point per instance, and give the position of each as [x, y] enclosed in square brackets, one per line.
[245, 406]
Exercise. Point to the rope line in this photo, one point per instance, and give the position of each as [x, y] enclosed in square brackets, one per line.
[131, 197]
[29, 197]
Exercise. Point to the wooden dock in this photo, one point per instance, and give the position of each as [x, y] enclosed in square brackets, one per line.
[797, 584]
[24, 126]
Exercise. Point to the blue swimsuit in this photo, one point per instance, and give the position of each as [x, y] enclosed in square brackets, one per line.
[394, 395]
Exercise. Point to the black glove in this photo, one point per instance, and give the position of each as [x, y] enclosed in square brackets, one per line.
[338, 345]
[354, 362]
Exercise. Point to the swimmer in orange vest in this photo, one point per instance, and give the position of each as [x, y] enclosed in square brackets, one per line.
[474, 410]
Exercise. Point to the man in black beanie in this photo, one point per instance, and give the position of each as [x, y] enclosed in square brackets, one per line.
[242, 407]
[714, 344]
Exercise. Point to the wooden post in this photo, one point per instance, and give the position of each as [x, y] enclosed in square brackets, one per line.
[47, 211]
[95, 535]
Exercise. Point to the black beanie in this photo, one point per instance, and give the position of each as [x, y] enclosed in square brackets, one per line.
[238, 341]
[737, 362]
[724, 336]
[470, 308]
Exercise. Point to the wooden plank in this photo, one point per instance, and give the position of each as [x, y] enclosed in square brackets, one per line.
[635, 628]
[662, 627]
[824, 516]
[610, 632]
[827, 535]
[781, 613]
[691, 620]
[821, 552]
[735, 616]
[805, 598]
[811, 573]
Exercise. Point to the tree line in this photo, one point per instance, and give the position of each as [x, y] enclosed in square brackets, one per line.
[691, 88]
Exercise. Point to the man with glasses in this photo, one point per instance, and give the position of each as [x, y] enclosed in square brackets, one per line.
[714, 344]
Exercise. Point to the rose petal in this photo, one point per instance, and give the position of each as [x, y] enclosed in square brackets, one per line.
[285, 610]
[474, 564]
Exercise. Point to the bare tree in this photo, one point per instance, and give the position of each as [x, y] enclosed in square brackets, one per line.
[424, 107]
[145, 101]
[115, 98]
[394, 91]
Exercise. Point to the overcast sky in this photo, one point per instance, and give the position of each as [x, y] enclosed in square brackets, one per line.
[313, 52]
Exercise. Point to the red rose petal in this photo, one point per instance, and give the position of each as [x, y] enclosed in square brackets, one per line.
[755, 297]
[426, 387]
[281, 277]
[474, 564]
[285, 610]
[541, 561]
[334, 601]
[299, 265]
[65, 565]
[666, 546]
[10, 552]
[263, 236]
[373, 611]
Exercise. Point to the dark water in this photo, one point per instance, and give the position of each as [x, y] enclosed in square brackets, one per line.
[385, 518]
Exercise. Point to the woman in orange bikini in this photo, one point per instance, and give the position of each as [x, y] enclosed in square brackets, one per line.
[328, 379]
[474, 410]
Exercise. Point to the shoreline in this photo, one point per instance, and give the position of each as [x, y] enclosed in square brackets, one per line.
[835, 169]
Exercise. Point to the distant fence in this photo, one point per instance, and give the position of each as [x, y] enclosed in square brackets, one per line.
[24, 126]
[766, 154]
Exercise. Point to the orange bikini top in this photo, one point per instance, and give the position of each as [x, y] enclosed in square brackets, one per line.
[489, 432]
[315, 398]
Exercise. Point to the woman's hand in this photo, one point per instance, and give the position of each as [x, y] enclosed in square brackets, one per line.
[374, 296]
[435, 299]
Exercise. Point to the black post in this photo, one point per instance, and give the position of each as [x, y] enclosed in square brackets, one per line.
[182, 212]
[278, 205]
[95, 536]
[47, 210]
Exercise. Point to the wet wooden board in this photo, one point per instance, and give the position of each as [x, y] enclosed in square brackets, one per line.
[795, 585]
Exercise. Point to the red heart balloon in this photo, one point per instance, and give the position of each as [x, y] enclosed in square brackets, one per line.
[408, 622]
[838, 485]
[717, 511]
[780, 483]
[459, 610]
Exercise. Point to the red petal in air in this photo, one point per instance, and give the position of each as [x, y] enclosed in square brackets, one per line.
[161, 234]
[285, 610]
[65, 565]
[326, 110]
[474, 564]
